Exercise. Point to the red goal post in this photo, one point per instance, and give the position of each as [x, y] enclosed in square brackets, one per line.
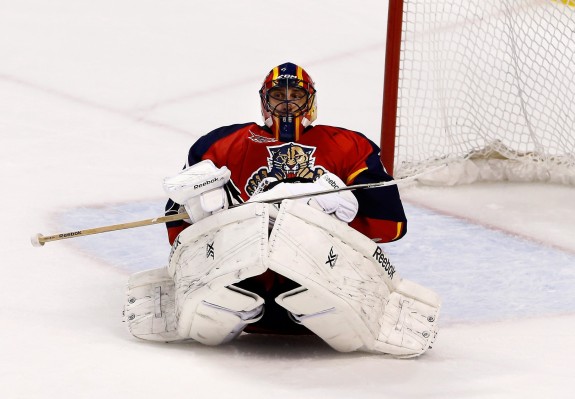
[487, 87]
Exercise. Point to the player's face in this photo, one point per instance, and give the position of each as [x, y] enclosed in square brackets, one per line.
[287, 101]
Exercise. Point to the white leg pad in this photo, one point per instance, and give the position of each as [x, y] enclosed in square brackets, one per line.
[409, 324]
[220, 316]
[149, 310]
[222, 249]
[206, 259]
[323, 315]
[348, 273]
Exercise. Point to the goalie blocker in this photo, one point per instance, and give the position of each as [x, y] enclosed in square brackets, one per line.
[350, 294]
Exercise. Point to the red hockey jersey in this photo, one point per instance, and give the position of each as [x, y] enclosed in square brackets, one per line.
[252, 153]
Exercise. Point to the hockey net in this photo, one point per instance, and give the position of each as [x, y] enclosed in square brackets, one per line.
[486, 87]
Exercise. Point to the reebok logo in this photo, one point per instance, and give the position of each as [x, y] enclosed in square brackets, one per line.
[331, 182]
[75, 233]
[380, 257]
[206, 183]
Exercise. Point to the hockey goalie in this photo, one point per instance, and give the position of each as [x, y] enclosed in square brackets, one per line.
[245, 259]
[296, 263]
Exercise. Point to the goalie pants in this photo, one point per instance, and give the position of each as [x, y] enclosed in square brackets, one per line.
[276, 319]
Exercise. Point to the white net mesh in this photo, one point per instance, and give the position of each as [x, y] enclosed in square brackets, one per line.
[486, 81]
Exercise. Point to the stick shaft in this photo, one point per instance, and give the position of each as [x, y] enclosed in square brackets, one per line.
[352, 187]
[41, 240]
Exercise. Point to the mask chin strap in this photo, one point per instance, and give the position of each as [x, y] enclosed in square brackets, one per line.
[287, 128]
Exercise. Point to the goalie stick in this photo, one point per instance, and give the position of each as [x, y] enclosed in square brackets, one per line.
[39, 240]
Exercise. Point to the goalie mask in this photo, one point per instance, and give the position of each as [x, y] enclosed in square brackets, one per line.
[288, 101]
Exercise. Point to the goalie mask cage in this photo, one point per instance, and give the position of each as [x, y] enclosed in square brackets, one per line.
[487, 87]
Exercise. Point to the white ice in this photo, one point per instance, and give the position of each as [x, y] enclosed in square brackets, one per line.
[101, 100]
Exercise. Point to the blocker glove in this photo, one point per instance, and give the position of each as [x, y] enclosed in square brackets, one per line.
[342, 204]
[200, 189]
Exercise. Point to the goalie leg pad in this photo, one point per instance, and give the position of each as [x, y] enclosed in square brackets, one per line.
[324, 254]
[211, 318]
[352, 275]
[220, 316]
[227, 247]
[206, 259]
[149, 310]
[409, 324]
[325, 318]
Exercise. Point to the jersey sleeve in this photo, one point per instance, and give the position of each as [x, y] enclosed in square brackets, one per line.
[380, 216]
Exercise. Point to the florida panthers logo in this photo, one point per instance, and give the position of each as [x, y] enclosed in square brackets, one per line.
[286, 161]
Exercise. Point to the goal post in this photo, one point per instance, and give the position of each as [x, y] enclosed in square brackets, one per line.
[487, 87]
[390, 84]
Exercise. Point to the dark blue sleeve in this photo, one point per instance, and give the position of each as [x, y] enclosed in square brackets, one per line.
[203, 144]
[380, 202]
